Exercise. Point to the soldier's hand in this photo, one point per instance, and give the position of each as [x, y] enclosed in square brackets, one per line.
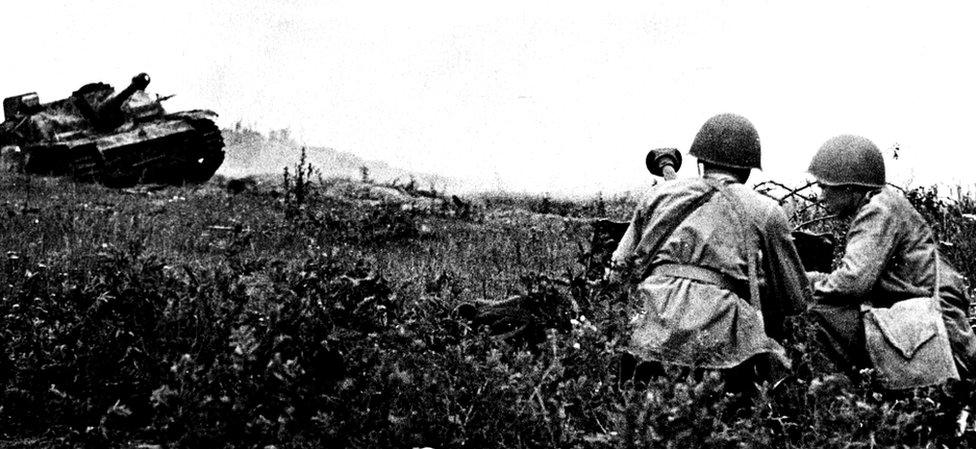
[816, 276]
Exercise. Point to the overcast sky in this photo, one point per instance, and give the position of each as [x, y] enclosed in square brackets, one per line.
[542, 96]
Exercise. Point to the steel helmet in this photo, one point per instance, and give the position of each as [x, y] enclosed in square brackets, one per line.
[728, 140]
[849, 160]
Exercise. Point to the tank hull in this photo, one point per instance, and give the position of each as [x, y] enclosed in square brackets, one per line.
[183, 150]
[179, 150]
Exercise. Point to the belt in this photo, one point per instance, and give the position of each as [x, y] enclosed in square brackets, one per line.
[696, 273]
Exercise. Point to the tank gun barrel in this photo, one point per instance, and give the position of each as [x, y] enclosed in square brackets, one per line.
[108, 115]
[110, 111]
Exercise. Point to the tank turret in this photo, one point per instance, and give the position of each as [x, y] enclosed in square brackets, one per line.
[108, 115]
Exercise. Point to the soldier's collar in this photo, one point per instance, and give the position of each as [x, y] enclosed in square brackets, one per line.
[864, 201]
[725, 178]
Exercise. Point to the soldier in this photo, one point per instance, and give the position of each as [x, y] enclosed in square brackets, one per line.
[700, 248]
[889, 256]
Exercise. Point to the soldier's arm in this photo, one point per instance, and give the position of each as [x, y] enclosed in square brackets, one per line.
[786, 280]
[623, 256]
[870, 243]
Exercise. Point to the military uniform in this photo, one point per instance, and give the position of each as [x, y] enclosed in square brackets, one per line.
[695, 300]
[889, 257]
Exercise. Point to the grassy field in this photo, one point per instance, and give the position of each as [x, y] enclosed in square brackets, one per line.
[324, 313]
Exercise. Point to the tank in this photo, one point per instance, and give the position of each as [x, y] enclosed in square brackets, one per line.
[117, 139]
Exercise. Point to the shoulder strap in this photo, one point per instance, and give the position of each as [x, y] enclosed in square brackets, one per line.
[935, 260]
[749, 239]
[679, 217]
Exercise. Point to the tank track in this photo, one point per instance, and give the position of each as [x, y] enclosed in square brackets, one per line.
[209, 153]
[190, 157]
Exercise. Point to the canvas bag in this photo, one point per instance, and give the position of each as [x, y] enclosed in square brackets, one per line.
[908, 343]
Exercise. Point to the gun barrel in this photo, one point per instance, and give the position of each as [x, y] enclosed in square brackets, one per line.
[113, 106]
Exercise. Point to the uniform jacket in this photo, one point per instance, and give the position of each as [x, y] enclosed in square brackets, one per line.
[689, 322]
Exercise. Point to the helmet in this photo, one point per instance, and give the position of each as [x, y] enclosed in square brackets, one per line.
[728, 140]
[849, 160]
